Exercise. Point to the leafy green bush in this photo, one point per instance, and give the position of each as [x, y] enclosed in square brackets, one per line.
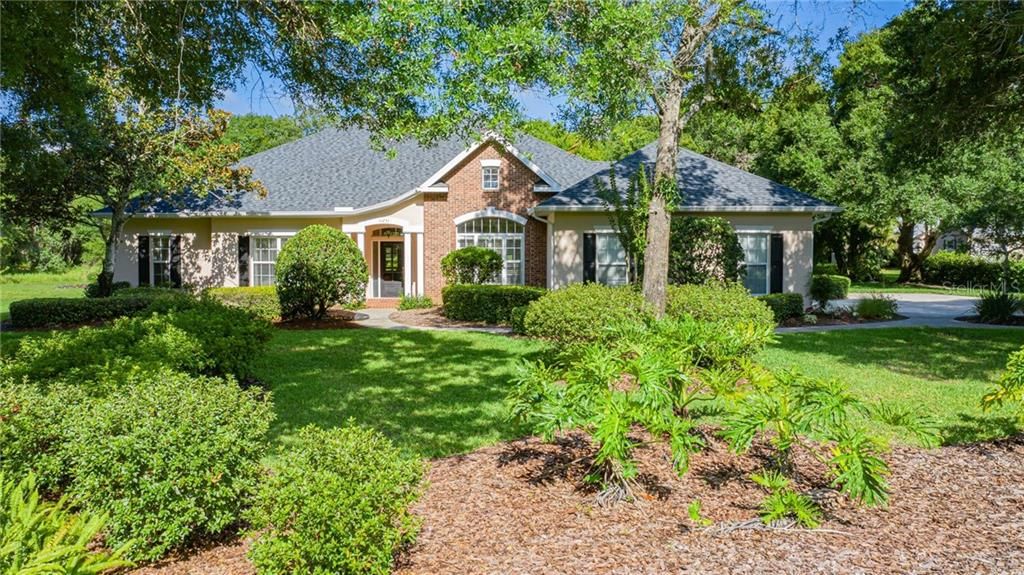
[1010, 388]
[260, 301]
[34, 428]
[44, 312]
[231, 339]
[487, 303]
[517, 319]
[38, 536]
[703, 249]
[826, 269]
[582, 312]
[784, 306]
[826, 288]
[783, 502]
[414, 302]
[338, 503]
[718, 303]
[169, 457]
[471, 265]
[877, 307]
[955, 269]
[319, 267]
[998, 306]
[93, 289]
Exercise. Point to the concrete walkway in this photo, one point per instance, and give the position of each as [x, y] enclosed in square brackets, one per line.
[380, 318]
[920, 309]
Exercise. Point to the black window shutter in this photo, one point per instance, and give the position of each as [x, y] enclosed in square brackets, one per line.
[143, 260]
[776, 251]
[176, 261]
[243, 260]
[589, 257]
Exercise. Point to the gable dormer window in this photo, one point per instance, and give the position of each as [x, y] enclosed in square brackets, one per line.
[491, 170]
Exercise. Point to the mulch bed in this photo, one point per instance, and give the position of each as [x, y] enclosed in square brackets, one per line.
[336, 319]
[1017, 320]
[517, 508]
[432, 317]
[836, 319]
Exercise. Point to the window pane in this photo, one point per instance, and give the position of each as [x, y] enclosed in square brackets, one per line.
[755, 248]
[756, 279]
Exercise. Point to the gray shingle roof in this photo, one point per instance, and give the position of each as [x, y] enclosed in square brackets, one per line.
[338, 168]
[704, 185]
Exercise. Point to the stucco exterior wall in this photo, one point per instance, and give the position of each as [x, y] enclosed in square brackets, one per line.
[797, 231]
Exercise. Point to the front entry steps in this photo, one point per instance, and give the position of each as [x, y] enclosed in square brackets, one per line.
[382, 302]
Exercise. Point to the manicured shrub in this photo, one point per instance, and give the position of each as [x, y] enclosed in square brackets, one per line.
[93, 289]
[517, 319]
[230, 338]
[703, 249]
[318, 268]
[45, 312]
[338, 503]
[35, 427]
[718, 303]
[487, 303]
[414, 302]
[955, 269]
[998, 306]
[784, 306]
[260, 301]
[877, 307]
[169, 458]
[39, 536]
[826, 269]
[825, 288]
[471, 265]
[581, 312]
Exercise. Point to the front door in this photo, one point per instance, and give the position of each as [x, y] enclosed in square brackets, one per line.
[391, 272]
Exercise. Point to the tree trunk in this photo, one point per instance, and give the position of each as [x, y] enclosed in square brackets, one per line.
[659, 215]
[911, 262]
[106, 279]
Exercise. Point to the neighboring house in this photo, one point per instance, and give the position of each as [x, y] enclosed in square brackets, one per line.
[530, 201]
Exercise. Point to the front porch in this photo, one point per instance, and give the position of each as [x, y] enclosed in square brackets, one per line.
[393, 250]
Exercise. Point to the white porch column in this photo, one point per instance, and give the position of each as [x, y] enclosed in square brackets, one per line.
[407, 263]
[420, 280]
[361, 242]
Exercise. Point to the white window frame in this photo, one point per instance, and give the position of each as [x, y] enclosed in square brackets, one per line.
[767, 255]
[606, 235]
[154, 263]
[493, 170]
[279, 239]
[464, 239]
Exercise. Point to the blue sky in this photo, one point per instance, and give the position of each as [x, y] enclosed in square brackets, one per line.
[261, 94]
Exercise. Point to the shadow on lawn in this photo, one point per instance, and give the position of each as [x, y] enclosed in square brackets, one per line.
[433, 393]
[925, 353]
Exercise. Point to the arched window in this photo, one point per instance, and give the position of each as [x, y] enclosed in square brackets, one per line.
[501, 235]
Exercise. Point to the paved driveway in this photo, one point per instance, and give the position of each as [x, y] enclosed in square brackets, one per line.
[920, 309]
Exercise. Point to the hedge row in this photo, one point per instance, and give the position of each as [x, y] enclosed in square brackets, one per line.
[44, 312]
[784, 305]
[954, 269]
[260, 301]
[486, 303]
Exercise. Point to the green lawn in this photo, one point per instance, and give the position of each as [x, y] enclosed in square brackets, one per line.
[440, 393]
[887, 284]
[434, 393]
[944, 372]
[17, 286]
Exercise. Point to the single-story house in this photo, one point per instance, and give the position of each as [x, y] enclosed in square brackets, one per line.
[534, 203]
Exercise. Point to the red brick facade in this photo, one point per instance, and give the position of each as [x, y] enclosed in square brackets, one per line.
[466, 194]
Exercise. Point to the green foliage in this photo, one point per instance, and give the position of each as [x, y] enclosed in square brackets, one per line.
[783, 502]
[1010, 388]
[998, 306]
[93, 289]
[487, 303]
[29, 247]
[954, 269]
[337, 503]
[46, 312]
[628, 215]
[625, 137]
[877, 306]
[317, 268]
[922, 427]
[784, 306]
[726, 304]
[169, 458]
[254, 133]
[260, 301]
[414, 302]
[38, 536]
[640, 374]
[517, 319]
[231, 339]
[827, 288]
[828, 269]
[582, 312]
[471, 265]
[34, 428]
[702, 250]
[789, 411]
[694, 511]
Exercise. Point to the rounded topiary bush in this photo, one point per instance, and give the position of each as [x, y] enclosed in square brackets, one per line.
[318, 268]
[718, 303]
[582, 312]
[703, 249]
[338, 502]
[471, 265]
[825, 288]
[169, 458]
